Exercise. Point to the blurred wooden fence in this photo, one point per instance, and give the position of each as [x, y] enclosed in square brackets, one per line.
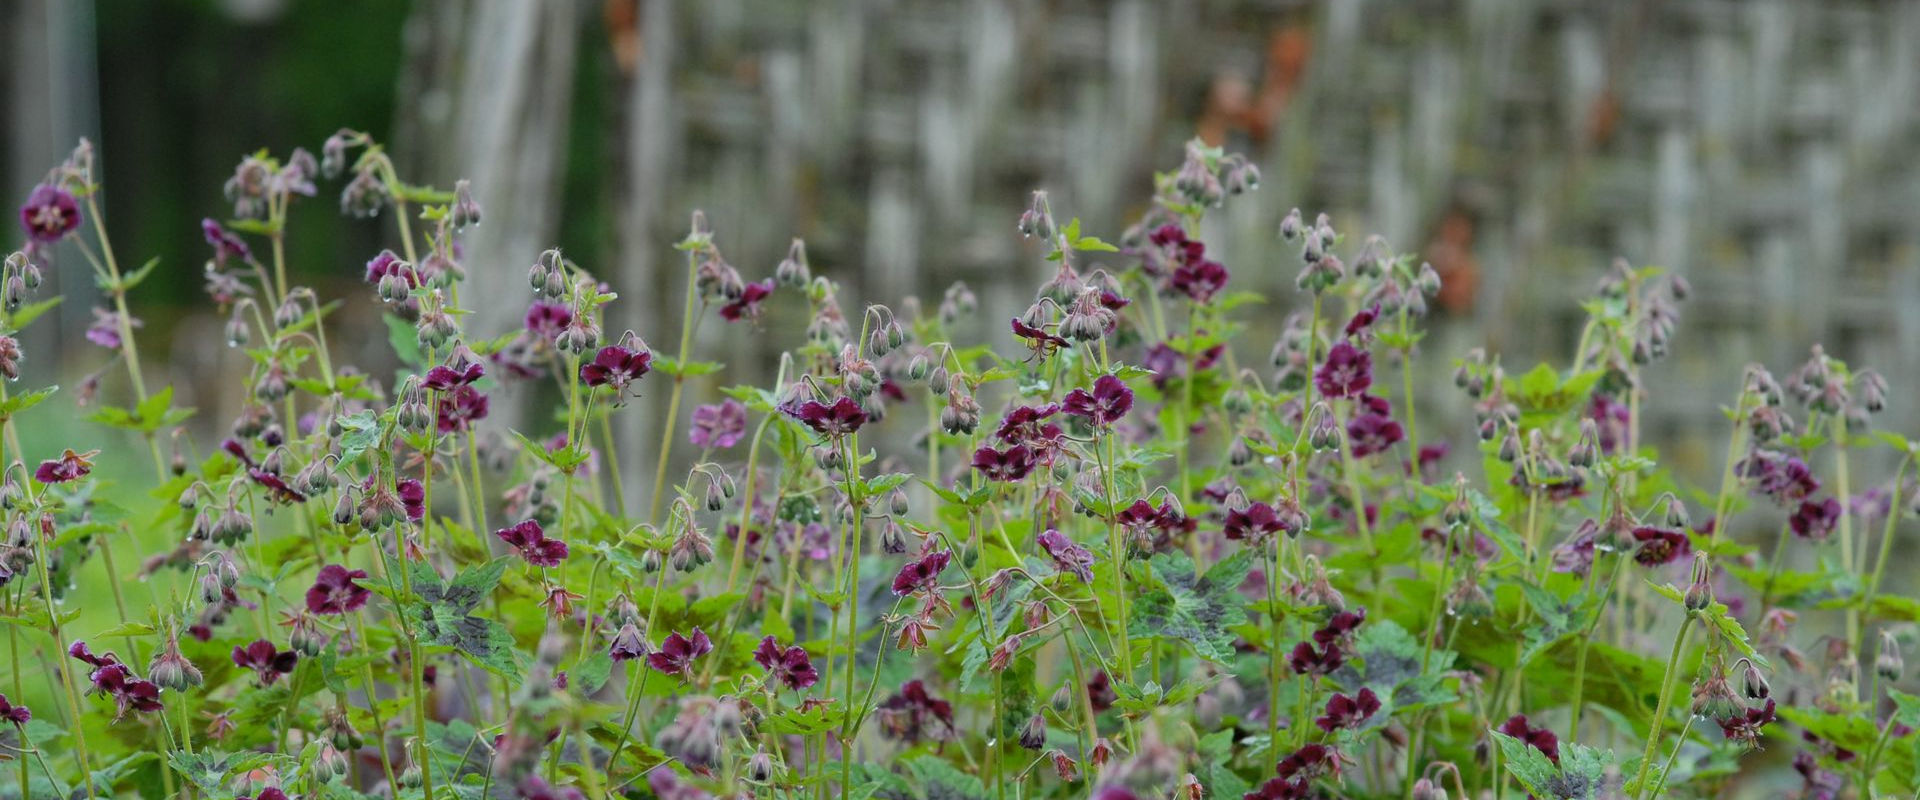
[1764, 148]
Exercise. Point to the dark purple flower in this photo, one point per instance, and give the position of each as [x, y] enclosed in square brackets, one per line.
[533, 545]
[1168, 363]
[1106, 404]
[1256, 520]
[547, 320]
[616, 366]
[460, 408]
[1814, 519]
[266, 661]
[226, 244]
[334, 591]
[70, 466]
[677, 652]
[1347, 372]
[1345, 712]
[18, 715]
[387, 265]
[1029, 425]
[790, 666]
[1340, 626]
[922, 573]
[1540, 739]
[413, 496]
[910, 713]
[1068, 555]
[718, 426]
[269, 793]
[1363, 320]
[1308, 660]
[447, 377]
[1782, 477]
[1199, 279]
[50, 214]
[1659, 546]
[839, 418]
[1373, 433]
[1011, 464]
[747, 305]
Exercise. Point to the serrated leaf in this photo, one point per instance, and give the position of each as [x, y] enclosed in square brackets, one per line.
[15, 404]
[20, 318]
[1198, 610]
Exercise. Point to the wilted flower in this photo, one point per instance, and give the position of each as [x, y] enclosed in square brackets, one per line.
[922, 573]
[1659, 546]
[70, 466]
[1068, 556]
[18, 715]
[747, 305]
[226, 244]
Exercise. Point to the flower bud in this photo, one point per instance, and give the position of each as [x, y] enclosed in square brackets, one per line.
[1888, 664]
[1033, 735]
[1037, 220]
[760, 767]
[1699, 592]
[1753, 684]
[172, 671]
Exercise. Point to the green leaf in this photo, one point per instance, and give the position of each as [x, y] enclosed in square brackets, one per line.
[360, 432]
[591, 673]
[668, 365]
[1555, 621]
[1198, 610]
[21, 402]
[129, 280]
[446, 621]
[937, 778]
[405, 340]
[205, 769]
[1580, 775]
[25, 315]
[805, 722]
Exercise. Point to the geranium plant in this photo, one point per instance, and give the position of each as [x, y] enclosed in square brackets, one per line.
[1110, 551]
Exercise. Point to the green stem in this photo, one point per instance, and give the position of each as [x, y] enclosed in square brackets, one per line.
[1660, 710]
[679, 382]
